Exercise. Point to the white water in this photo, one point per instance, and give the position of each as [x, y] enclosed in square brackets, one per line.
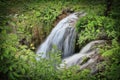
[62, 36]
[87, 52]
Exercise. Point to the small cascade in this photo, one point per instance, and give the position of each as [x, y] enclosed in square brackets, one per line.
[62, 36]
[85, 58]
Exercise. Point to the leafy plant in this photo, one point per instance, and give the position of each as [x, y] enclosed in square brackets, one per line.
[93, 27]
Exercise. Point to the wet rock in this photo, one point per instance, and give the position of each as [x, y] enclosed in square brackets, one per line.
[87, 58]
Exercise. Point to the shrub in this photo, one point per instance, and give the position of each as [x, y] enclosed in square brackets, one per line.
[93, 27]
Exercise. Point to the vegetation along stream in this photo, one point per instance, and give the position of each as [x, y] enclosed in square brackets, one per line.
[59, 40]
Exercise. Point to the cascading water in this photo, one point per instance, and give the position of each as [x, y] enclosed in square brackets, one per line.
[88, 57]
[62, 36]
[87, 52]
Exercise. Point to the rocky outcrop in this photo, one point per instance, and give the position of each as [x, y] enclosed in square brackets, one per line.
[88, 57]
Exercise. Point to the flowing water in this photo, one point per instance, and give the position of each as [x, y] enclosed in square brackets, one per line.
[62, 36]
[87, 52]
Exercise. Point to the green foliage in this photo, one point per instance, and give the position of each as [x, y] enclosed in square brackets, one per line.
[23, 66]
[93, 27]
[22, 18]
[27, 15]
[112, 56]
[33, 20]
[20, 63]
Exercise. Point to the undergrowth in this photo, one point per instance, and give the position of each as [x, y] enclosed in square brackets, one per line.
[25, 23]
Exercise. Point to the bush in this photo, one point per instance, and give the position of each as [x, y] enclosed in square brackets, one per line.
[93, 27]
[18, 62]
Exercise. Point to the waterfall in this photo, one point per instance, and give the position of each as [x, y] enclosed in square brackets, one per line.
[90, 52]
[62, 36]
